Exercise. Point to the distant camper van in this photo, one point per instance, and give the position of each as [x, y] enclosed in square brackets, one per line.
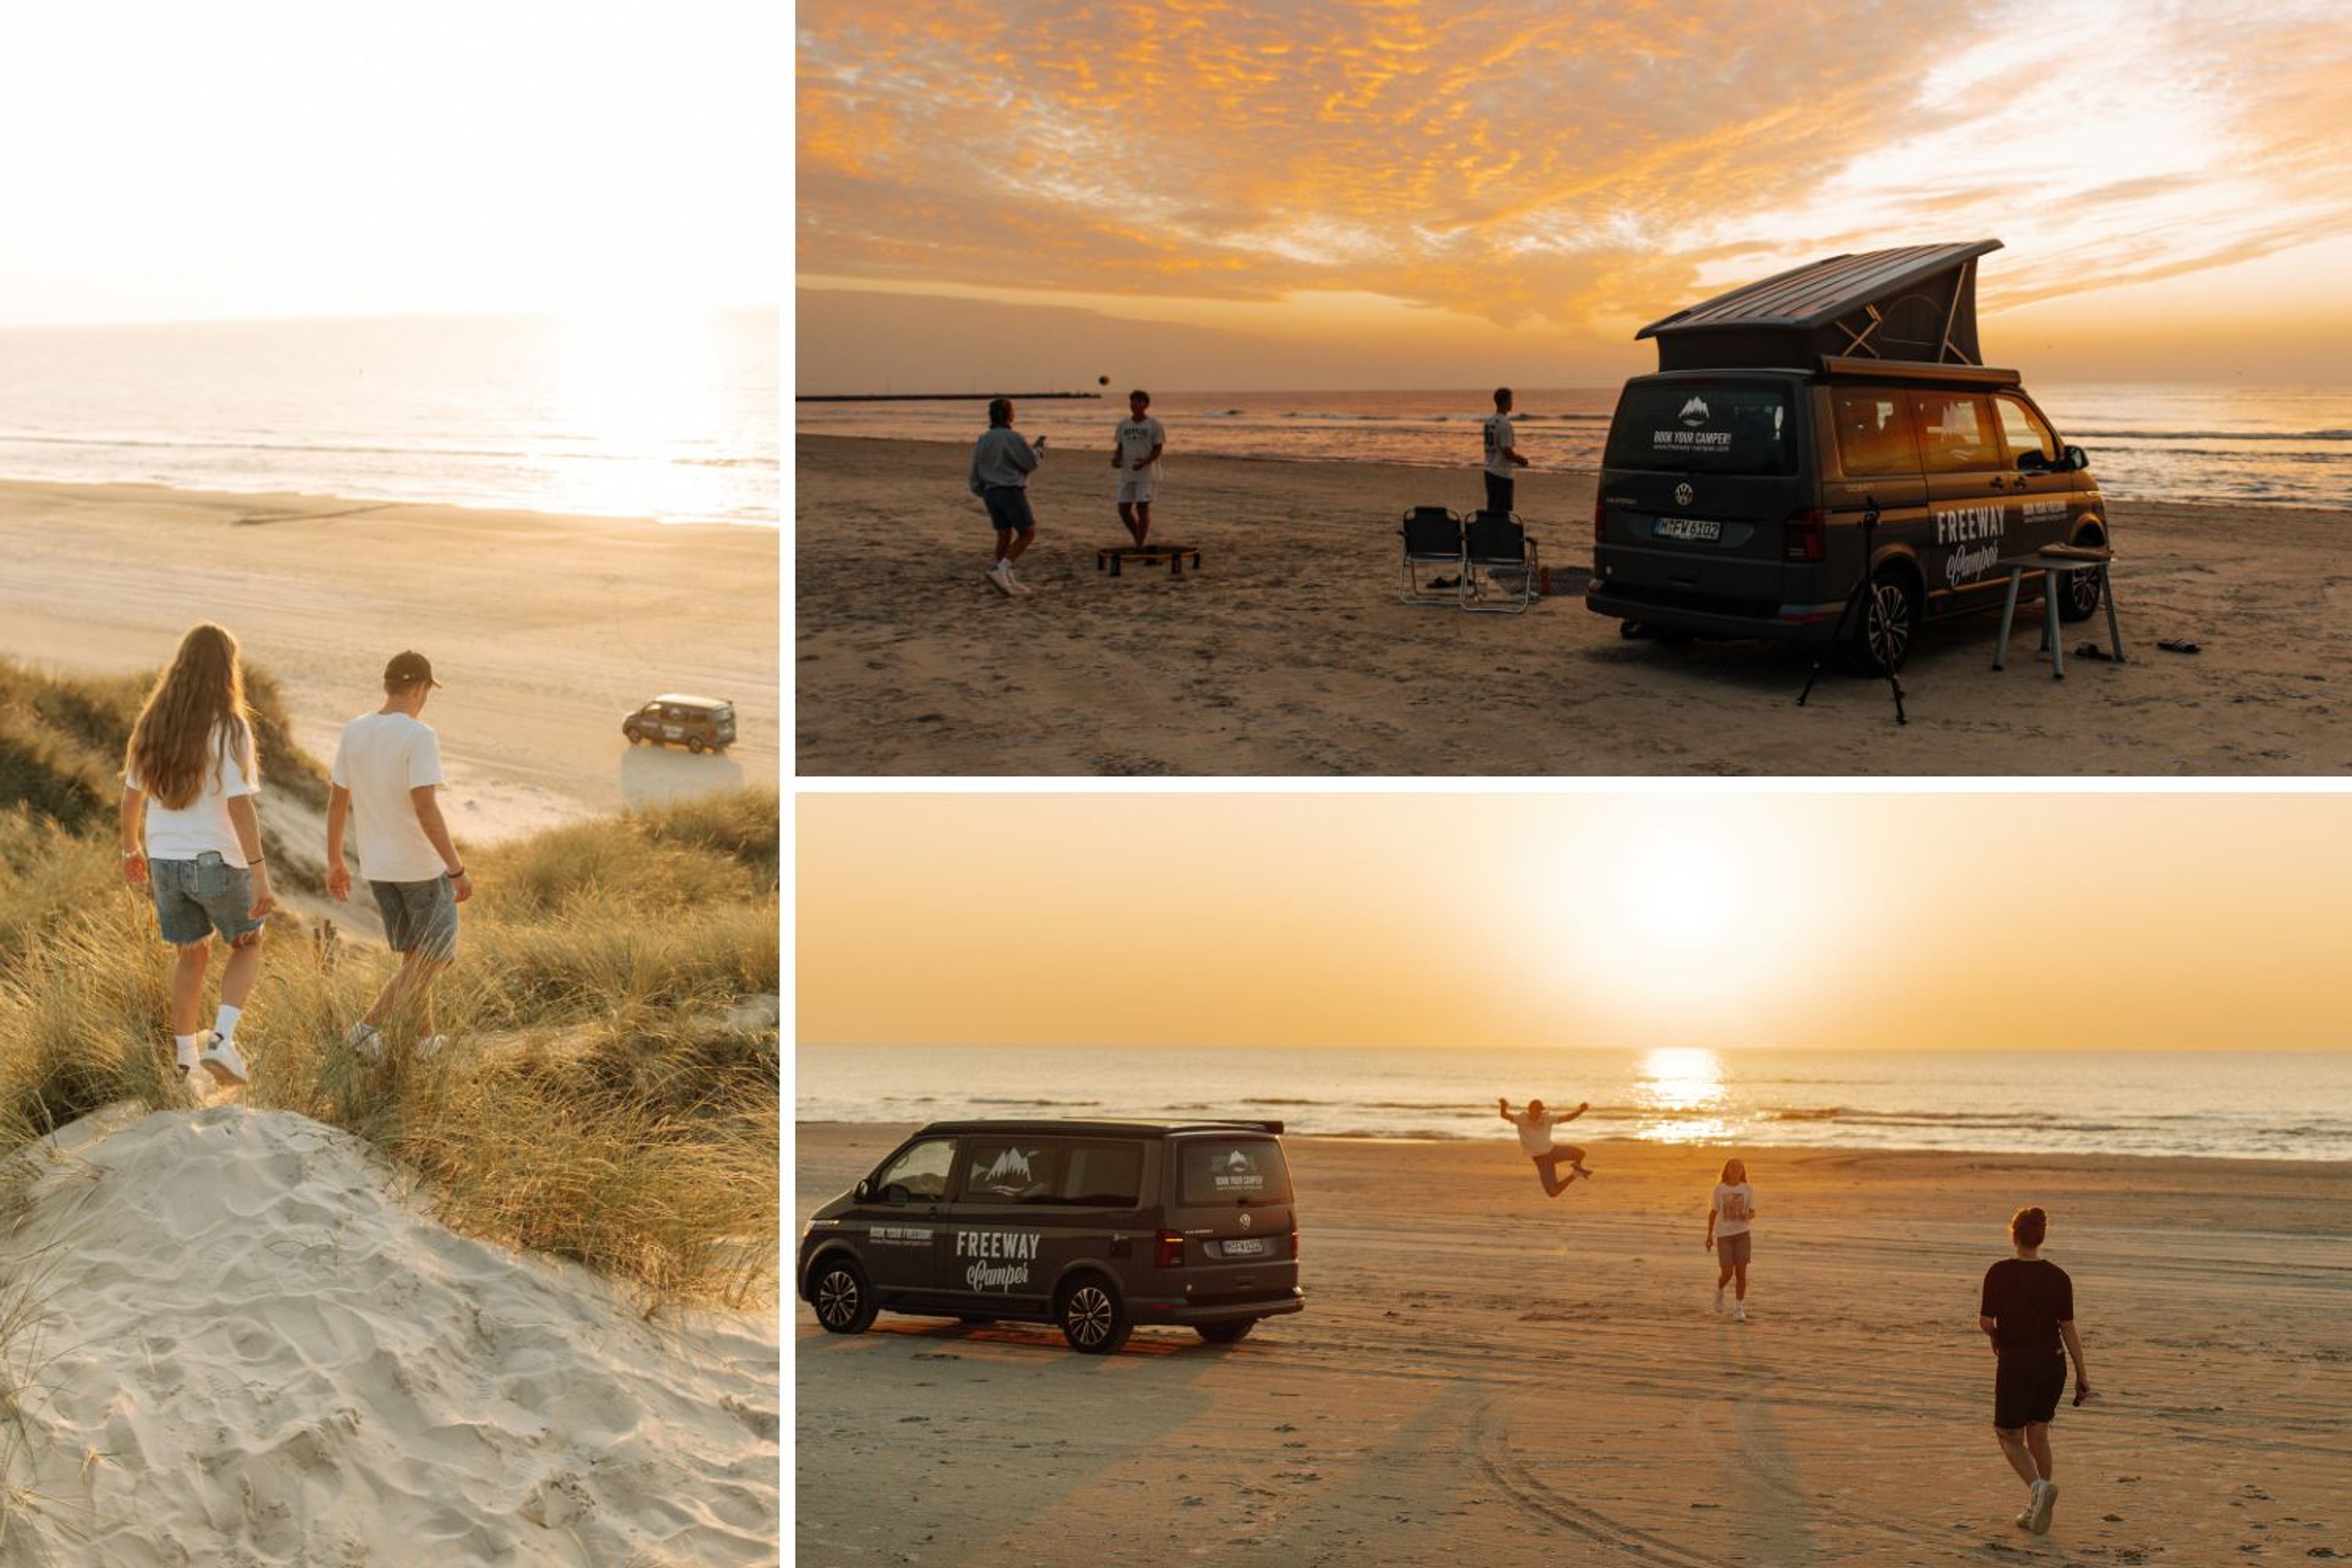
[1735, 481]
[1095, 1227]
[697, 723]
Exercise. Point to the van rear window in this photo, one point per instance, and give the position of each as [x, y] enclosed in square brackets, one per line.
[1230, 1170]
[1713, 427]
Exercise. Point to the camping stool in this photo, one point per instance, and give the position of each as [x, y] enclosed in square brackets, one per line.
[2054, 570]
[1116, 556]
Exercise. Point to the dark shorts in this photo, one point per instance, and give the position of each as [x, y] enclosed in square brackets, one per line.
[1732, 1250]
[196, 898]
[1498, 491]
[2025, 1389]
[1008, 507]
[419, 917]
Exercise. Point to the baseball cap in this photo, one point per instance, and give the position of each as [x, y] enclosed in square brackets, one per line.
[409, 669]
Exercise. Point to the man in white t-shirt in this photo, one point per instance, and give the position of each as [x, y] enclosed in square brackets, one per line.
[387, 770]
[1535, 1125]
[1502, 454]
[1135, 453]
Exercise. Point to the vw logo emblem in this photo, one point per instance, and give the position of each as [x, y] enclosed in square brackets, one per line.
[1246, 1219]
[1682, 495]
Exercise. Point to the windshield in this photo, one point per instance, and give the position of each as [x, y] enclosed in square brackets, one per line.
[1703, 427]
[1232, 1171]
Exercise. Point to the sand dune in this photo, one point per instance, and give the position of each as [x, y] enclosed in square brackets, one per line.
[256, 1349]
[1288, 654]
[1484, 1375]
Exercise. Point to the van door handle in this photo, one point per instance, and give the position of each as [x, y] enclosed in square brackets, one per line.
[1996, 484]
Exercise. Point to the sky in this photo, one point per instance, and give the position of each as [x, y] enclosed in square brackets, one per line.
[279, 158]
[1213, 195]
[1667, 918]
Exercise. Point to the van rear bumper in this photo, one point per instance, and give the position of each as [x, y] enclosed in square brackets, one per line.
[1186, 1315]
[1780, 623]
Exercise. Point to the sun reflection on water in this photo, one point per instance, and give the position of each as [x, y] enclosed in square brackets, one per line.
[1679, 1097]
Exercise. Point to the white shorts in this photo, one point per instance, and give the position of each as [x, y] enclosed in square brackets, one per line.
[1134, 488]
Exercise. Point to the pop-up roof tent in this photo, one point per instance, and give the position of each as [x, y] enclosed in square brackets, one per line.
[1918, 303]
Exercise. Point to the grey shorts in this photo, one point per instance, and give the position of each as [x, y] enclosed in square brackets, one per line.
[196, 898]
[419, 917]
[1735, 1249]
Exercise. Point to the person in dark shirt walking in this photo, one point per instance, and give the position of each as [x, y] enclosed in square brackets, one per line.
[2027, 1310]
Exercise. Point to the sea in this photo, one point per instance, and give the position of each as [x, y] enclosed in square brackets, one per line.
[2277, 446]
[2240, 1104]
[674, 417]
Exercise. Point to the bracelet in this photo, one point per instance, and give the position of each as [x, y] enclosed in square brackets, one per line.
[257, 860]
[133, 854]
[453, 876]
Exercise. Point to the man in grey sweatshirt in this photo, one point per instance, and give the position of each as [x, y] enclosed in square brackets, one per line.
[1001, 462]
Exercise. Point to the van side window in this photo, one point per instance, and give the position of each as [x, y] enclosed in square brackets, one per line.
[921, 1172]
[2031, 443]
[1873, 432]
[1225, 1171]
[1009, 1170]
[1102, 1176]
[1956, 433]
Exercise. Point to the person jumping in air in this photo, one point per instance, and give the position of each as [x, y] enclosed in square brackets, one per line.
[1535, 1125]
[1728, 1213]
[1135, 453]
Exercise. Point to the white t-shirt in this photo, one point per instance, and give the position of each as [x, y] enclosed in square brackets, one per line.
[1137, 441]
[202, 824]
[1733, 1207]
[380, 759]
[1499, 439]
[1535, 1131]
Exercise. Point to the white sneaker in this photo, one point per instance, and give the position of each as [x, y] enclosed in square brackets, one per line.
[2024, 1520]
[1718, 1300]
[431, 1046]
[365, 1042]
[1740, 1312]
[1013, 582]
[220, 1059]
[2045, 1498]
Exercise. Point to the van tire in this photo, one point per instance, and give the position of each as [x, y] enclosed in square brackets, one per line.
[694, 744]
[1094, 1318]
[1226, 1333]
[1894, 596]
[633, 732]
[2080, 602]
[842, 1296]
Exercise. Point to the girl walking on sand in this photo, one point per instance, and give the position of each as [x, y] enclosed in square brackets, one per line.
[1728, 1213]
[190, 834]
[1535, 1125]
[2027, 1309]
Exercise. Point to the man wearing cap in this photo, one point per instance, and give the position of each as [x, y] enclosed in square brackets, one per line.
[387, 767]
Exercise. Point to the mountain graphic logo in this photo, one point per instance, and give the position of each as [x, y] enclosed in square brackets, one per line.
[1693, 413]
[1012, 1169]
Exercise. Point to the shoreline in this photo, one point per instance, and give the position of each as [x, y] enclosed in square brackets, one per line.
[545, 628]
[1477, 1366]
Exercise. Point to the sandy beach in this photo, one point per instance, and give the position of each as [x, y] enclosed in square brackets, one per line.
[544, 630]
[1287, 654]
[1485, 1375]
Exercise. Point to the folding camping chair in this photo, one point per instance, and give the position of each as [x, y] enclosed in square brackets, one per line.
[1432, 537]
[1498, 562]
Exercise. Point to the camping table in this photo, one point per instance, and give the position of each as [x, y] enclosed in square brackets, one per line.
[1116, 556]
[2054, 570]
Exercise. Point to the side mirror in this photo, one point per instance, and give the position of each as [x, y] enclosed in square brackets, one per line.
[864, 1190]
[2075, 460]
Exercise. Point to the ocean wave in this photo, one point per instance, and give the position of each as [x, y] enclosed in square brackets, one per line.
[2081, 435]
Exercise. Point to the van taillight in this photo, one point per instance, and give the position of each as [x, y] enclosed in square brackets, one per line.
[1600, 516]
[1170, 1253]
[1806, 537]
[1293, 1244]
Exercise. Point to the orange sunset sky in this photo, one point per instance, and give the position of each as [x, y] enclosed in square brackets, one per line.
[1666, 918]
[1238, 193]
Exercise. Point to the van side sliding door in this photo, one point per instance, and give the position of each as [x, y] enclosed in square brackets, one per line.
[994, 1255]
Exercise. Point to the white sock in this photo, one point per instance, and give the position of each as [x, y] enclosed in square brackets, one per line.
[186, 1045]
[225, 1025]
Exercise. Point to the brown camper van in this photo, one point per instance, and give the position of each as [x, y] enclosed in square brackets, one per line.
[1735, 479]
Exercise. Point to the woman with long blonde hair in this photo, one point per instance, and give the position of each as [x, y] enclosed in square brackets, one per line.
[190, 833]
[1730, 1210]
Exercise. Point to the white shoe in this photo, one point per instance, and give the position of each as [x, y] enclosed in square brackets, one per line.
[2025, 1521]
[220, 1059]
[1015, 583]
[1718, 1300]
[1739, 1313]
[2045, 1498]
[365, 1042]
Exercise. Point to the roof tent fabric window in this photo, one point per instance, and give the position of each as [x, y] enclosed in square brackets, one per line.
[1918, 303]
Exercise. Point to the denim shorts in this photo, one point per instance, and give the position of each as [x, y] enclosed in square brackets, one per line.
[196, 898]
[1008, 508]
[419, 917]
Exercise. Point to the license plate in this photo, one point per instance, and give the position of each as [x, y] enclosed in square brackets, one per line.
[1254, 1247]
[1700, 528]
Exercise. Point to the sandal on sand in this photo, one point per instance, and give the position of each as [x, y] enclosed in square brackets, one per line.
[2178, 644]
[2094, 651]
